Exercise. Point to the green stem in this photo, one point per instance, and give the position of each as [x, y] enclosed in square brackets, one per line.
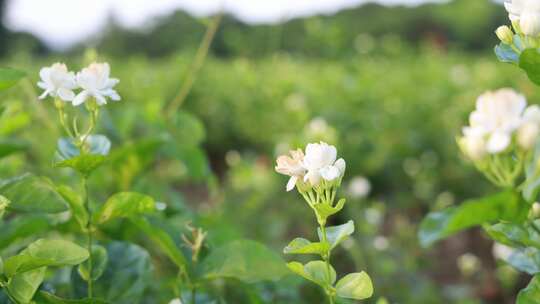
[326, 259]
[90, 237]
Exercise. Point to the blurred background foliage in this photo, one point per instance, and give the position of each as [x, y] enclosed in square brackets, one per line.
[390, 86]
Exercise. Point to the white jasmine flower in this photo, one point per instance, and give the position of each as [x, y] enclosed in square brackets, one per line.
[530, 129]
[175, 301]
[291, 166]
[526, 13]
[497, 116]
[320, 162]
[57, 81]
[359, 187]
[95, 82]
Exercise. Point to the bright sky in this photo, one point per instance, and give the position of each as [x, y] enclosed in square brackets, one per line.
[61, 23]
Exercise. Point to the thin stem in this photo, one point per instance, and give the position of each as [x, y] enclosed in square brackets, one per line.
[200, 56]
[90, 237]
[326, 259]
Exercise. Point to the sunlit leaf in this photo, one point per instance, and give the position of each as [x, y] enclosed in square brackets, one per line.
[125, 204]
[303, 246]
[24, 285]
[43, 297]
[531, 294]
[315, 271]
[337, 234]
[99, 263]
[356, 286]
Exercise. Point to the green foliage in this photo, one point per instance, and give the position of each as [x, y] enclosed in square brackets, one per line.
[356, 286]
[315, 271]
[337, 234]
[531, 294]
[43, 253]
[240, 258]
[68, 154]
[9, 77]
[303, 246]
[100, 260]
[125, 204]
[43, 297]
[23, 286]
[502, 206]
[29, 193]
[529, 61]
[10, 146]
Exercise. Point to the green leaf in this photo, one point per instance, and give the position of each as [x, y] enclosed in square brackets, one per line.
[337, 234]
[24, 285]
[356, 286]
[78, 211]
[126, 277]
[245, 260]
[162, 240]
[326, 210]
[531, 294]
[514, 235]
[99, 263]
[303, 246]
[9, 77]
[45, 252]
[125, 204]
[29, 193]
[10, 146]
[22, 227]
[69, 156]
[43, 297]
[1, 266]
[506, 205]
[84, 164]
[529, 61]
[315, 271]
[526, 260]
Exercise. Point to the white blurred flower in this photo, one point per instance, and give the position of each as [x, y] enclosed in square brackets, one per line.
[380, 243]
[530, 129]
[468, 263]
[57, 81]
[95, 82]
[497, 116]
[175, 301]
[320, 163]
[502, 252]
[526, 13]
[291, 166]
[359, 187]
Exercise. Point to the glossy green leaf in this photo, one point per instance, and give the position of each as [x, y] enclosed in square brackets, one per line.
[43, 297]
[9, 77]
[526, 260]
[303, 246]
[531, 294]
[126, 277]
[24, 285]
[162, 240]
[245, 260]
[514, 235]
[315, 271]
[502, 206]
[10, 146]
[529, 61]
[45, 252]
[22, 227]
[84, 164]
[75, 202]
[356, 286]
[337, 234]
[326, 210]
[125, 204]
[99, 263]
[29, 193]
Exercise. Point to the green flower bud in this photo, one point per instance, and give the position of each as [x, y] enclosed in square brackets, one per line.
[505, 34]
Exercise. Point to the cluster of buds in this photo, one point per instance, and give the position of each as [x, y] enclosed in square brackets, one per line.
[95, 87]
[525, 18]
[501, 133]
[316, 174]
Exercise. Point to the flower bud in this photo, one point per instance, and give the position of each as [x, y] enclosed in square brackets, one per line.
[530, 24]
[527, 135]
[516, 26]
[505, 34]
[4, 203]
[473, 147]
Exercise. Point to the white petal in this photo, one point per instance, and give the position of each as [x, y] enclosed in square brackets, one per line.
[45, 93]
[341, 165]
[66, 94]
[330, 173]
[291, 183]
[100, 99]
[313, 176]
[80, 98]
[498, 142]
